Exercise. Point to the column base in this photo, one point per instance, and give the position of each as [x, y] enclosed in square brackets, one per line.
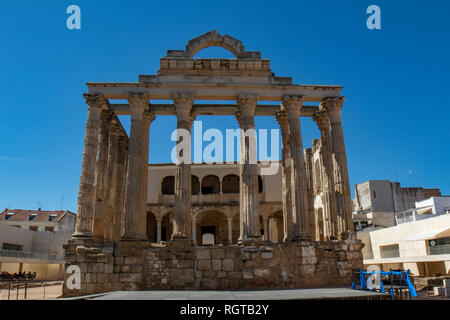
[83, 235]
[251, 241]
[180, 241]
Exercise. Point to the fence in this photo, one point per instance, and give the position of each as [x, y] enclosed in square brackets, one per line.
[30, 289]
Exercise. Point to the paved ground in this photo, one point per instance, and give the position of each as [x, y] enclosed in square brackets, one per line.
[294, 294]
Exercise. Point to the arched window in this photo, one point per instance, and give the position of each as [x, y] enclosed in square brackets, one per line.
[210, 185]
[260, 184]
[230, 184]
[168, 185]
[195, 185]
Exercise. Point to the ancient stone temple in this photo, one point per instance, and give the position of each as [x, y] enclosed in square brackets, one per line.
[184, 226]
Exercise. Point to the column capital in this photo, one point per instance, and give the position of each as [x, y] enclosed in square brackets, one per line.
[149, 116]
[106, 116]
[138, 100]
[282, 118]
[247, 104]
[95, 100]
[333, 105]
[292, 106]
[322, 120]
[183, 105]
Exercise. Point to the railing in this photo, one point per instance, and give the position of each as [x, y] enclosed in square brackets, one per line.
[30, 289]
[23, 254]
[439, 249]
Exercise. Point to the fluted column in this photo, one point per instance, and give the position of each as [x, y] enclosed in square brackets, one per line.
[230, 229]
[249, 206]
[334, 105]
[148, 118]
[110, 182]
[292, 106]
[182, 214]
[310, 190]
[85, 207]
[132, 230]
[286, 192]
[327, 185]
[100, 175]
[119, 200]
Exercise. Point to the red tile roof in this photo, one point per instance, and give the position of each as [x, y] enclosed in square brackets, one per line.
[40, 216]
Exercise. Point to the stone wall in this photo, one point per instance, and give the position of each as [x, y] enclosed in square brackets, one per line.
[111, 266]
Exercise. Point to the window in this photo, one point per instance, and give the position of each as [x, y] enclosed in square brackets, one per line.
[210, 185]
[11, 246]
[230, 184]
[168, 185]
[390, 251]
[374, 194]
[9, 215]
[52, 217]
[33, 228]
[50, 229]
[32, 216]
[439, 246]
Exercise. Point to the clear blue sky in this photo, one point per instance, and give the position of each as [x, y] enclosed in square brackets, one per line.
[396, 80]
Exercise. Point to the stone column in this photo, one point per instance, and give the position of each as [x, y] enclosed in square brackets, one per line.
[85, 208]
[119, 199]
[230, 230]
[334, 105]
[110, 182]
[249, 203]
[158, 230]
[327, 187]
[310, 190]
[182, 213]
[292, 106]
[100, 175]
[282, 119]
[132, 230]
[148, 118]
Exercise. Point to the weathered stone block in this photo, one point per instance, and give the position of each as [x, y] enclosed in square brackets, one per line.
[235, 275]
[182, 275]
[204, 265]
[247, 275]
[203, 253]
[221, 274]
[262, 272]
[218, 253]
[96, 267]
[216, 264]
[266, 255]
[130, 277]
[228, 265]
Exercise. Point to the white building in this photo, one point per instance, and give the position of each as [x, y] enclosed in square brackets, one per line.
[424, 209]
[423, 246]
[32, 241]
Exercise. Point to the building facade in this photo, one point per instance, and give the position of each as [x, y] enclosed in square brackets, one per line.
[377, 202]
[32, 241]
[422, 246]
[217, 236]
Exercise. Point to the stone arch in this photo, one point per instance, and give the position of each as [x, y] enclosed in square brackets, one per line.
[212, 222]
[168, 185]
[195, 185]
[214, 39]
[210, 184]
[230, 184]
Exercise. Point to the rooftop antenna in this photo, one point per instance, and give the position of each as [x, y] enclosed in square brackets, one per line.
[62, 200]
[39, 204]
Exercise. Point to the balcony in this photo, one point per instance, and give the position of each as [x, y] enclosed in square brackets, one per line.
[23, 254]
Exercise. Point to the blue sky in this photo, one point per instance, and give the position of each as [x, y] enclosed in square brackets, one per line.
[396, 114]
